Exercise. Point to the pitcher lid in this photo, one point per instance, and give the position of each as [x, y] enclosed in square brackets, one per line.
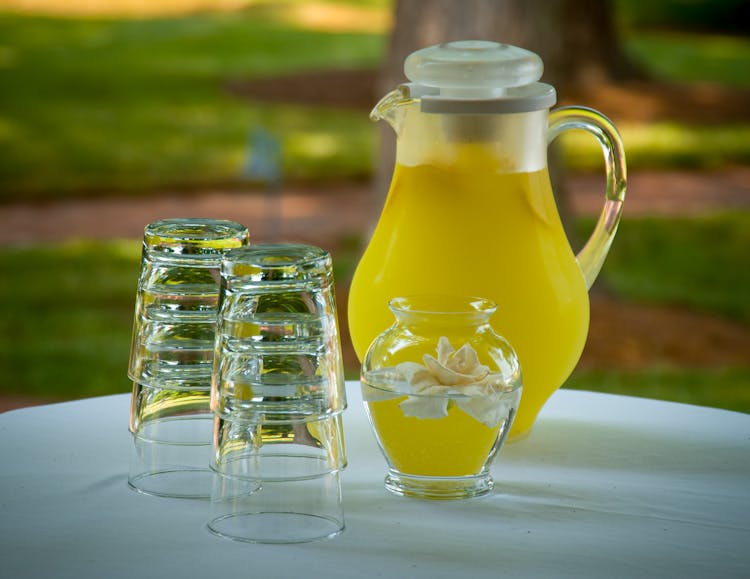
[478, 76]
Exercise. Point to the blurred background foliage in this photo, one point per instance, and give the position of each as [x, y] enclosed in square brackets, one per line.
[133, 98]
[110, 105]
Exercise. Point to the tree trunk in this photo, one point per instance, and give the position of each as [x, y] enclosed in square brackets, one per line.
[577, 39]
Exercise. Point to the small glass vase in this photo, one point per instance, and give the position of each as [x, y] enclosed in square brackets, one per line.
[441, 389]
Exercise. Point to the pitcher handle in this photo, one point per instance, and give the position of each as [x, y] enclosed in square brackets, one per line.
[592, 256]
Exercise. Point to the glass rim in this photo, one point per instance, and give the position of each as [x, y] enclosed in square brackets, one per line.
[277, 264]
[273, 255]
[192, 238]
[249, 416]
[442, 305]
[203, 229]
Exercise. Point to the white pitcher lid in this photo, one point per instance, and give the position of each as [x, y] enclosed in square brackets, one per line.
[478, 76]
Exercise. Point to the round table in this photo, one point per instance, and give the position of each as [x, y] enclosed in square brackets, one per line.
[605, 486]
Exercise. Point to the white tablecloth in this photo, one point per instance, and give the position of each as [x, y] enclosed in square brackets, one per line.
[605, 486]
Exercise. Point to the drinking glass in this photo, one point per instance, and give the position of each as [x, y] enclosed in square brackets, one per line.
[278, 478]
[278, 396]
[171, 356]
[172, 431]
[277, 345]
[282, 510]
[177, 301]
[278, 447]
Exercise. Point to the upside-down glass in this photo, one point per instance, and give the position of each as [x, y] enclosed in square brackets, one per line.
[177, 300]
[171, 355]
[278, 394]
[277, 345]
[270, 447]
[171, 431]
[278, 478]
[282, 510]
[441, 389]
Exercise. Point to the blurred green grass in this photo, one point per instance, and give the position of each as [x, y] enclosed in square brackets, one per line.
[62, 317]
[665, 145]
[111, 106]
[65, 332]
[686, 57]
[727, 388]
[701, 263]
[130, 105]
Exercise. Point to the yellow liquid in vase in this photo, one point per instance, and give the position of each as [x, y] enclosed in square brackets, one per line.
[456, 445]
[468, 228]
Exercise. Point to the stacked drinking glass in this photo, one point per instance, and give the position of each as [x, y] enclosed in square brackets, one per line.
[172, 352]
[278, 395]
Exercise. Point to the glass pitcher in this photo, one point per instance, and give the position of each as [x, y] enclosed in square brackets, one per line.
[470, 210]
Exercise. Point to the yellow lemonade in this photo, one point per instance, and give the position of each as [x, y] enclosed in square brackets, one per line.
[465, 227]
[455, 445]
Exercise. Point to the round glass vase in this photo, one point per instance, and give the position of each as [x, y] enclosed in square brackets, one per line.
[441, 389]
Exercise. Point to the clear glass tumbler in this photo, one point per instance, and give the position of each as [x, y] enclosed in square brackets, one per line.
[171, 449]
[278, 479]
[278, 395]
[171, 356]
[272, 447]
[177, 300]
[283, 510]
[277, 345]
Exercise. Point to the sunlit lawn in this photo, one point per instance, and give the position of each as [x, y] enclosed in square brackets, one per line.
[131, 105]
[65, 333]
[105, 106]
[62, 317]
[110, 106]
[727, 388]
[699, 263]
[687, 58]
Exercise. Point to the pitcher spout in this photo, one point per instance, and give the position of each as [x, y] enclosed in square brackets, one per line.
[391, 107]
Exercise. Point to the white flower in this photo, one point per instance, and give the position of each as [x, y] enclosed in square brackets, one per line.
[453, 372]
